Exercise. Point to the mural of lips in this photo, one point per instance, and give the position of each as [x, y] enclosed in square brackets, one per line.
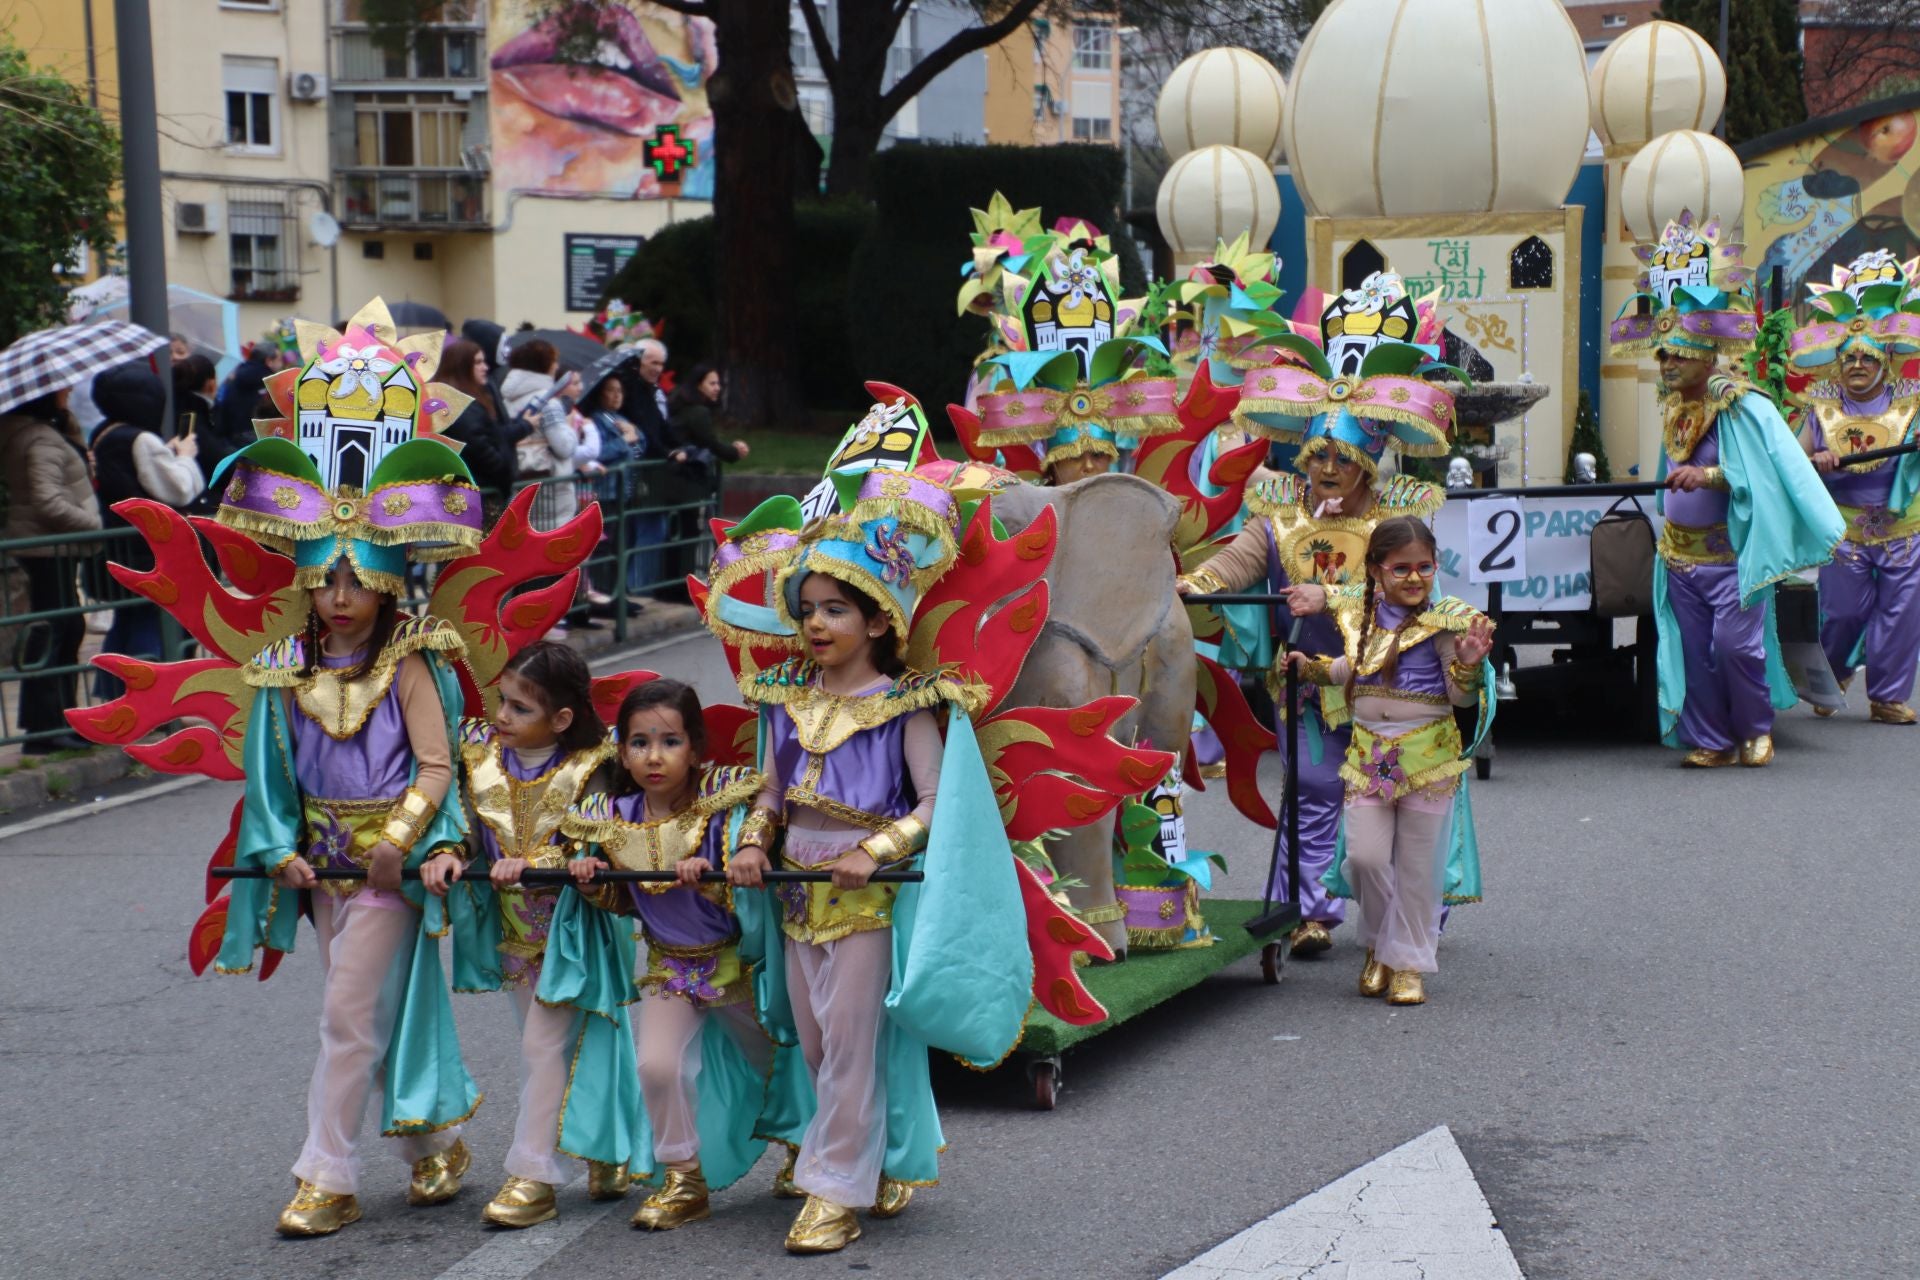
[614, 77]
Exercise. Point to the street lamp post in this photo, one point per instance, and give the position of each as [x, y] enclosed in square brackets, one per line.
[140, 176]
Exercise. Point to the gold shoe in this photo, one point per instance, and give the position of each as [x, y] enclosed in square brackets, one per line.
[436, 1178]
[822, 1227]
[1705, 758]
[1891, 713]
[783, 1188]
[607, 1181]
[313, 1212]
[893, 1199]
[1374, 977]
[521, 1202]
[680, 1200]
[1757, 752]
[1406, 988]
[1310, 939]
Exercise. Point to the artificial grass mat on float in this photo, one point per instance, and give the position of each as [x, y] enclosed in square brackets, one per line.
[1147, 978]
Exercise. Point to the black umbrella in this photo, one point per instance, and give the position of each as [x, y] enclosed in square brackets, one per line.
[418, 315]
[577, 352]
[603, 368]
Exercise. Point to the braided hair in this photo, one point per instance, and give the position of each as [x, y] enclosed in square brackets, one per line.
[1388, 537]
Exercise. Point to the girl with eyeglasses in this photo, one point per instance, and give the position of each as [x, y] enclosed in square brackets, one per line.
[1407, 847]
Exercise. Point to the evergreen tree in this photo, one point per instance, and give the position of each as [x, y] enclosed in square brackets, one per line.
[61, 161]
[1763, 60]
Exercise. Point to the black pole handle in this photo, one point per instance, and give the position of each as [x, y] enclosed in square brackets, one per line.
[555, 876]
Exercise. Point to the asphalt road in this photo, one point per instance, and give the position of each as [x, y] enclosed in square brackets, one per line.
[1677, 1040]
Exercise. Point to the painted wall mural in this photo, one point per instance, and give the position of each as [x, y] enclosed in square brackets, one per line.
[585, 95]
[1834, 192]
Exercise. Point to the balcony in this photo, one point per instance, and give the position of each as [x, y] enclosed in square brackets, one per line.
[434, 57]
[421, 199]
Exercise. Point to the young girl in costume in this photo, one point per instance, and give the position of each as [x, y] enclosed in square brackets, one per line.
[853, 756]
[349, 763]
[544, 748]
[1407, 843]
[703, 1057]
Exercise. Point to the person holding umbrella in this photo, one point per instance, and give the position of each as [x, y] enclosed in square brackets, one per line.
[50, 492]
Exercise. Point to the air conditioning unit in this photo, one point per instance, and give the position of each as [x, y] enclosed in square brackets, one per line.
[307, 86]
[196, 219]
[1057, 105]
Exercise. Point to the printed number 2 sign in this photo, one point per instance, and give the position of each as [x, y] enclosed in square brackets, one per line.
[1496, 541]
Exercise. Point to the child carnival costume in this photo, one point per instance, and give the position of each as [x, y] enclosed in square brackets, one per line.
[1747, 510]
[875, 976]
[1311, 530]
[348, 756]
[1870, 593]
[1407, 847]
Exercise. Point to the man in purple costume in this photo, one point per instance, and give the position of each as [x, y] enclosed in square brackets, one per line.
[1867, 595]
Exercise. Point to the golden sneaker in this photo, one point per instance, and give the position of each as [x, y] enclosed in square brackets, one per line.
[822, 1227]
[893, 1199]
[1374, 977]
[680, 1200]
[1310, 939]
[783, 1188]
[436, 1178]
[1757, 753]
[1406, 988]
[1891, 713]
[521, 1202]
[1706, 758]
[607, 1181]
[313, 1212]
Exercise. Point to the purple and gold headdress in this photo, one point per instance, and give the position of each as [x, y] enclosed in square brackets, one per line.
[1695, 297]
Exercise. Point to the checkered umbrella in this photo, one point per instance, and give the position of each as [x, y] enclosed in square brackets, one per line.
[55, 358]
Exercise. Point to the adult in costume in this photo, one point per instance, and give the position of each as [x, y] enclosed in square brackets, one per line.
[348, 756]
[1309, 532]
[1870, 592]
[1746, 508]
[1063, 395]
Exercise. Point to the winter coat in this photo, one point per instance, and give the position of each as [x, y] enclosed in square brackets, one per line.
[48, 489]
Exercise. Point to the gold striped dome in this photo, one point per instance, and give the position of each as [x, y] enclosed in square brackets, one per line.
[1230, 97]
[1401, 107]
[1658, 77]
[1214, 194]
[1682, 170]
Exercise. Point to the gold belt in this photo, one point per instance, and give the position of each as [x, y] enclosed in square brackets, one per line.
[1685, 544]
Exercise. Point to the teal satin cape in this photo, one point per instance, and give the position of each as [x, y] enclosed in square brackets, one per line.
[1781, 520]
[962, 969]
[589, 966]
[427, 1085]
[1462, 863]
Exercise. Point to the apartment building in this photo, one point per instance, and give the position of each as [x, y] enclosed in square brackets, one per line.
[1056, 80]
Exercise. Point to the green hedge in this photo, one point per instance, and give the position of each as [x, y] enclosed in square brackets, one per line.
[876, 284]
[672, 281]
[907, 272]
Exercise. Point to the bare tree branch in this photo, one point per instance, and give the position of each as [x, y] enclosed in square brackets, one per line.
[956, 48]
[823, 48]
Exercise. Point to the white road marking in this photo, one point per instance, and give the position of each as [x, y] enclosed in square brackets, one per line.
[512, 1255]
[76, 812]
[1414, 1212]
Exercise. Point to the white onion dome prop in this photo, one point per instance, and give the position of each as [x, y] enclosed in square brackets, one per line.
[1223, 97]
[1408, 107]
[1680, 171]
[1215, 193]
[1658, 77]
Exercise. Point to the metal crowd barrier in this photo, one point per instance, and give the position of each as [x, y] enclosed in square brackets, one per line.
[646, 547]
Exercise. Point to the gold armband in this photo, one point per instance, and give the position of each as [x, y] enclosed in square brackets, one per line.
[897, 841]
[407, 819]
[1318, 671]
[1467, 677]
[1715, 478]
[1204, 581]
[759, 830]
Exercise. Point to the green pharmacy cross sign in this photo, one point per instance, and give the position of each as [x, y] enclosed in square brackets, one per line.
[668, 154]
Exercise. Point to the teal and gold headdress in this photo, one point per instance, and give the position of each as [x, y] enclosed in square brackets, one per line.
[1695, 298]
[354, 469]
[1872, 303]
